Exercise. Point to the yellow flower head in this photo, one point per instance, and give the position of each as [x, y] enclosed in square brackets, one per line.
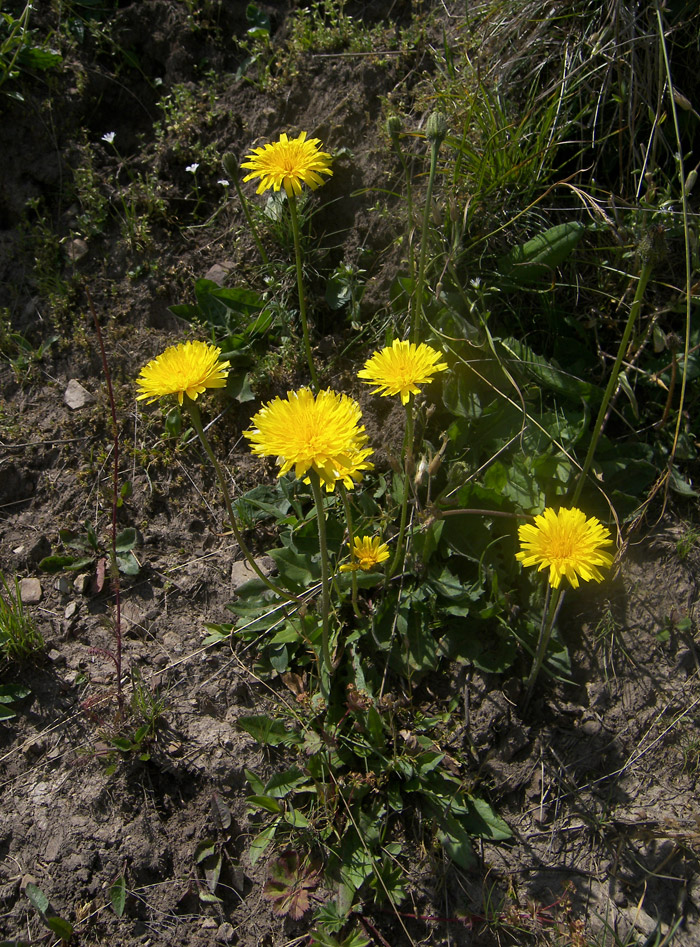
[185, 369]
[288, 162]
[307, 432]
[400, 368]
[370, 553]
[568, 544]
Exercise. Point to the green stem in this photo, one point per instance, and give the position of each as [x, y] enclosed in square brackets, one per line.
[612, 381]
[417, 308]
[406, 458]
[549, 616]
[300, 288]
[351, 541]
[249, 219]
[325, 662]
[196, 419]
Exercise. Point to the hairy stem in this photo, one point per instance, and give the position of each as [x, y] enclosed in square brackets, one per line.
[325, 662]
[300, 289]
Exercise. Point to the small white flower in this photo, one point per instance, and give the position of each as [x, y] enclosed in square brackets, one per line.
[223, 182]
[192, 168]
[109, 137]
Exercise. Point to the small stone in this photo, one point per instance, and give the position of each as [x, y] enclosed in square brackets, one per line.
[208, 923]
[225, 933]
[76, 249]
[75, 396]
[219, 271]
[62, 585]
[30, 591]
[172, 642]
[71, 609]
[55, 657]
[81, 583]
[242, 571]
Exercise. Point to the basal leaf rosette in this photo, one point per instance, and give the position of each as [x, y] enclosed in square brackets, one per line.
[399, 368]
[313, 432]
[185, 369]
[368, 553]
[566, 543]
[288, 163]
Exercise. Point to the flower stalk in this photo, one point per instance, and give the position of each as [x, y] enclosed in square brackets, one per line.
[324, 665]
[300, 289]
[553, 603]
[406, 459]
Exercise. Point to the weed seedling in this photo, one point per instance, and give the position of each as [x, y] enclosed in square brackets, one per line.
[19, 636]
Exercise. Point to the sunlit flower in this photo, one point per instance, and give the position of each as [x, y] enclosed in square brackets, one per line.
[401, 367]
[186, 369]
[109, 137]
[289, 163]
[369, 551]
[192, 168]
[321, 433]
[568, 544]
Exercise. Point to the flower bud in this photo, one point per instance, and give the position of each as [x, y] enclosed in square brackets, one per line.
[394, 125]
[436, 128]
[230, 165]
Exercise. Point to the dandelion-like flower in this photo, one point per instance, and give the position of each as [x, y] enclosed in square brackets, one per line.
[568, 544]
[401, 367]
[185, 369]
[369, 551]
[289, 162]
[321, 433]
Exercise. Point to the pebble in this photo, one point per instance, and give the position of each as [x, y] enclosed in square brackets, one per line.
[30, 591]
[81, 583]
[219, 271]
[71, 609]
[62, 585]
[75, 396]
[225, 933]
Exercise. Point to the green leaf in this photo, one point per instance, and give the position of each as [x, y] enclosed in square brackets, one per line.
[128, 564]
[37, 898]
[57, 563]
[38, 57]
[261, 842]
[457, 844]
[6, 713]
[269, 731]
[73, 540]
[264, 802]
[60, 927]
[12, 692]
[532, 262]
[256, 784]
[205, 849]
[281, 784]
[296, 819]
[126, 539]
[294, 568]
[483, 822]
[208, 897]
[117, 895]
[552, 376]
